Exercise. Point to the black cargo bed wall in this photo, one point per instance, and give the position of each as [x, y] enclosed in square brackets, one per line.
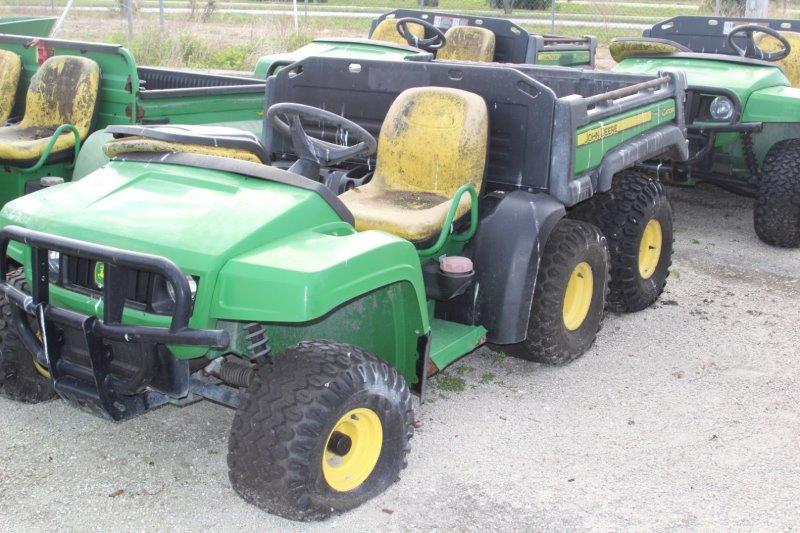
[567, 81]
[520, 108]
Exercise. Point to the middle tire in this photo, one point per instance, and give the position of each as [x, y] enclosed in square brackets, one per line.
[636, 218]
[569, 296]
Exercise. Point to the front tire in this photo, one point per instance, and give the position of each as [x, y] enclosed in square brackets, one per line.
[21, 378]
[569, 297]
[636, 218]
[322, 428]
[776, 217]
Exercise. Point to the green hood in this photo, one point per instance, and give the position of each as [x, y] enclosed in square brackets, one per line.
[743, 79]
[199, 218]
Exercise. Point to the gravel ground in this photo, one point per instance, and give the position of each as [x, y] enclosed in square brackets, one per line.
[684, 416]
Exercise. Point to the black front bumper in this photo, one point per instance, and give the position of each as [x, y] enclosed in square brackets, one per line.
[93, 385]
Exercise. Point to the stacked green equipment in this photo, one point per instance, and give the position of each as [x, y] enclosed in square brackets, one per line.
[413, 34]
[30, 26]
[219, 265]
[54, 94]
[743, 112]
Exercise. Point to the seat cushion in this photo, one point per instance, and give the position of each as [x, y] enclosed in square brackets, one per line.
[433, 141]
[62, 91]
[23, 145]
[468, 43]
[216, 141]
[791, 63]
[386, 31]
[10, 69]
[414, 216]
[625, 47]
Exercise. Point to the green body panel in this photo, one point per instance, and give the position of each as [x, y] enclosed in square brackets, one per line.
[262, 251]
[30, 26]
[450, 340]
[348, 48]
[764, 91]
[564, 58]
[121, 101]
[596, 139]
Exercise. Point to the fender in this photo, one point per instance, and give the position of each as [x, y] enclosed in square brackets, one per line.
[505, 252]
[308, 274]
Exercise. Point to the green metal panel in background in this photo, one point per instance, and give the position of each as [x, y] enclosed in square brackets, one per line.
[30, 26]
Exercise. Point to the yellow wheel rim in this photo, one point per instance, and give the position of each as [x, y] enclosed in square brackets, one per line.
[578, 297]
[650, 249]
[352, 449]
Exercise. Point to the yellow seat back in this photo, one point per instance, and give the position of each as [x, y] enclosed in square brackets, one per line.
[433, 141]
[386, 31]
[791, 63]
[626, 47]
[468, 43]
[10, 69]
[64, 90]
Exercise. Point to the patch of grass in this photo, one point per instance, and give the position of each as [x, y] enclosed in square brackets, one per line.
[487, 377]
[462, 369]
[446, 382]
[498, 358]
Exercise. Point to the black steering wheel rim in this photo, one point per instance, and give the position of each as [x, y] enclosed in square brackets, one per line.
[322, 152]
[752, 50]
[431, 44]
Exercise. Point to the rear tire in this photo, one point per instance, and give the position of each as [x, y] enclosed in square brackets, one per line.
[20, 379]
[564, 322]
[636, 218]
[776, 217]
[279, 453]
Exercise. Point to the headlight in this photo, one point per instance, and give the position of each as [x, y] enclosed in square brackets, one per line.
[192, 288]
[721, 108]
[54, 262]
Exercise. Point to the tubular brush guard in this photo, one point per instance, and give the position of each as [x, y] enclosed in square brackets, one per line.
[95, 388]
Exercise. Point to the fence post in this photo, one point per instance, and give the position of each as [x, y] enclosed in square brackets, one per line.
[161, 15]
[552, 16]
[756, 8]
[129, 9]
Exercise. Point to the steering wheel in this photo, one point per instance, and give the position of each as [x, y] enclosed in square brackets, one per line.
[752, 50]
[314, 153]
[431, 44]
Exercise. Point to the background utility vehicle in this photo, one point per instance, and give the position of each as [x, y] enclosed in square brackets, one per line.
[744, 114]
[31, 26]
[186, 252]
[410, 33]
[54, 93]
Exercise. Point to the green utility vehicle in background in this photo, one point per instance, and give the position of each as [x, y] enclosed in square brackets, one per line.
[54, 94]
[30, 26]
[743, 115]
[493, 210]
[410, 33]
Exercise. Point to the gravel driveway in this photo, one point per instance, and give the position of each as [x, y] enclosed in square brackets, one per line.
[684, 416]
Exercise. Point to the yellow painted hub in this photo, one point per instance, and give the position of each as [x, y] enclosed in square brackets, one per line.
[363, 428]
[578, 297]
[650, 249]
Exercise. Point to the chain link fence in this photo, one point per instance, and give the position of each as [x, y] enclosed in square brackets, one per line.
[231, 33]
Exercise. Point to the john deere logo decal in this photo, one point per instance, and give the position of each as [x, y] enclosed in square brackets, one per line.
[99, 274]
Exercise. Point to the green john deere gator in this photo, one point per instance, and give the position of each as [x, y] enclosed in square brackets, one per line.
[414, 34]
[54, 94]
[219, 265]
[743, 113]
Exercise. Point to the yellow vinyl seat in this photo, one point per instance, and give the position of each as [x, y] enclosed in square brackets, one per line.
[791, 63]
[10, 70]
[625, 47]
[433, 141]
[217, 141]
[386, 31]
[468, 43]
[62, 91]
